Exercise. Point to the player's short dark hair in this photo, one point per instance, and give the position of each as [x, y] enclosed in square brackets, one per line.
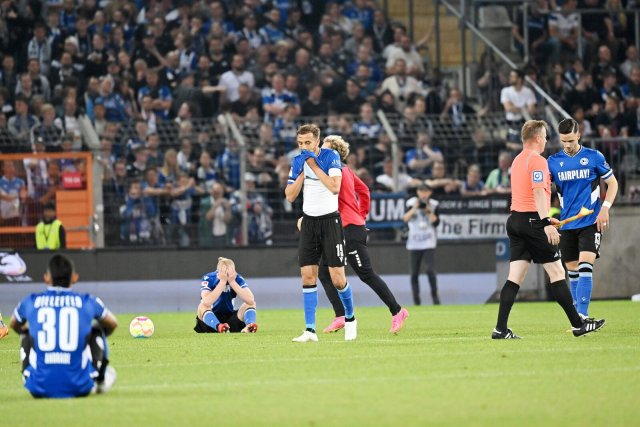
[309, 128]
[61, 270]
[568, 125]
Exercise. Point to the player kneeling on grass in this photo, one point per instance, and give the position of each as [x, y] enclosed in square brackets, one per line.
[217, 292]
[64, 353]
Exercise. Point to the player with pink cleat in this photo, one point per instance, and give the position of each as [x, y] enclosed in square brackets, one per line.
[353, 204]
[397, 321]
[335, 326]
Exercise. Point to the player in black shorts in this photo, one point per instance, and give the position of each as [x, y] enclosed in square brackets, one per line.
[317, 172]
[532, 235]
[577, 172]
[216, 312]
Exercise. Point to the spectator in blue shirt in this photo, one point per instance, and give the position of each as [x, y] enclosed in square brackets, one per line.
[364, 57]
[13, 193]
[275, 98]
[181, 204]
[420, 159]
[473, 185]
[137, 215]
[367, 127]
[360, 12]
[218, 17]
[270, 31]
[68, 16]
[113, 103]
[228, 163]
[160, 94]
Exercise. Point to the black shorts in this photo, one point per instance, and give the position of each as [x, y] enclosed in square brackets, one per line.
[586, 239]
[322, 235]
[527, 239]
[230, 318]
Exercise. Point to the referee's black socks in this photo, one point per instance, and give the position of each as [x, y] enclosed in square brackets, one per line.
[507, 298]
[562, 294]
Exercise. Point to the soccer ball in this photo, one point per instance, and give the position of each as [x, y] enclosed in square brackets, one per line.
[141, 327]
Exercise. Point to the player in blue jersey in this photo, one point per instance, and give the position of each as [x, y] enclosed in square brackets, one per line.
[317, 172]
[64, 352]
[216, 312]
[576, 171]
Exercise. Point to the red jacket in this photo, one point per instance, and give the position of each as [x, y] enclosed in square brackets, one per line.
[353, 200]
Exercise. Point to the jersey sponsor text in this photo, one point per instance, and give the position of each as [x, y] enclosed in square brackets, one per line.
[574, 174]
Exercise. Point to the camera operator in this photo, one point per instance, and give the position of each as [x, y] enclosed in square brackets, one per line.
[422, 219]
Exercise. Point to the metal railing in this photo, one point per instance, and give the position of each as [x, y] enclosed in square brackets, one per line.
[466, 24]
[242, 145]
[457, 141]
[522, 5]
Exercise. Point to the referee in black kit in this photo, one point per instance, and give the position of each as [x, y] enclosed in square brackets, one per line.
[532, 235]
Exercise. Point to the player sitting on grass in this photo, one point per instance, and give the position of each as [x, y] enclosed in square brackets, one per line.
[217, 292]
[57, 328]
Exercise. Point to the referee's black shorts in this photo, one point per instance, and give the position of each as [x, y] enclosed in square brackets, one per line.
[585, 239]
[322, 235]
[527, 239]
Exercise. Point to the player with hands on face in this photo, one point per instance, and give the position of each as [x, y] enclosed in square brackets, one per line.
[317, 173]
[216, 311]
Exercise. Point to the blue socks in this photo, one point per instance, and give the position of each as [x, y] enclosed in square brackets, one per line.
[573, 285]
[585, 284]
[211, 320]
[250, 316]
[310, 294]
[347, 300]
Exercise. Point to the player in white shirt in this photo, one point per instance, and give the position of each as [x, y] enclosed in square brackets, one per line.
[317, 172]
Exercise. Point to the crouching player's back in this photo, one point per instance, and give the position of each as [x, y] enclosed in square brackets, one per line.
[64, 353]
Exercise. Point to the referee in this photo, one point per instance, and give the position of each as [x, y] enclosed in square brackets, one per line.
[532, 236]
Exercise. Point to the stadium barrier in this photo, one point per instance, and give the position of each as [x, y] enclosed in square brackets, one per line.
[476, 139]
[41, 178]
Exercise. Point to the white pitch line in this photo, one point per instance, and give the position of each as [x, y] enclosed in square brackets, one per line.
[350, 380]
[369, 357]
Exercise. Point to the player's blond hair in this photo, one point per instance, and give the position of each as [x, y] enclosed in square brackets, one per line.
[340, 145]
[226, 261]
[309, 128]
[532, 128]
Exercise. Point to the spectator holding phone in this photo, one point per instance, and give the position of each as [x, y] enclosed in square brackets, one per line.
[422, 219]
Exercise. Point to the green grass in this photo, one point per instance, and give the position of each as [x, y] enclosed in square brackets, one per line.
[442, 369]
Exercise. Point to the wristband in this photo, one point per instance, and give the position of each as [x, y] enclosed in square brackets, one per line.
[606, 204]
[546, 221]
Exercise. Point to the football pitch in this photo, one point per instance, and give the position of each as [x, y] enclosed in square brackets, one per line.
[441, 369]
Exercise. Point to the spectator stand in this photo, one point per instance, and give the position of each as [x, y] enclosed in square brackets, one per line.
[40, 178]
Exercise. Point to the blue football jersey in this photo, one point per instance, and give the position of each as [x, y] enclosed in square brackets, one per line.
[577, 179]
[59, 323]
[225, 302]
[327, 159]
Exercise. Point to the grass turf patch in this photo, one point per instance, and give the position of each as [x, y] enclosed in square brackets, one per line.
[441, 369]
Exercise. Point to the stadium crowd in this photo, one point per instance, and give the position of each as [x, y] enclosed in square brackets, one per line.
[155, 77]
